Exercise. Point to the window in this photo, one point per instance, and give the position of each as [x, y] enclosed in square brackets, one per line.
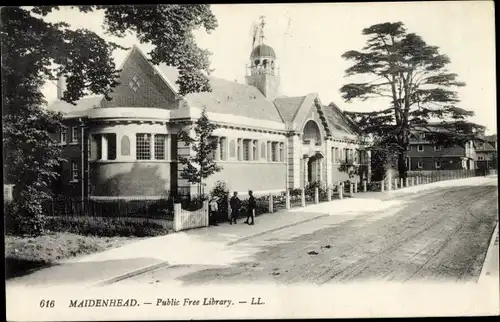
[143, 146]
[437, 164]
[135, 83]
[111, 138]
[222, 148]
[98, 145]
[420, 164]
[246, 150]
[420, 148]
[74, 134]
[74, 171]
[255, 152]
[437, 148]
[480, 158]
[64, 136]
[160, 142]
[89, 147]
[263, 148]
[407, 163]
[269, 151]
[282, 152]
[274, 151]
[125, 145]
[408, 148]
[356, 154]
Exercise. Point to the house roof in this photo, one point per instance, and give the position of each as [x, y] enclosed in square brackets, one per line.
[338, 122]
[487, 147]
[227, 97]
[288, 107]
[82, 107]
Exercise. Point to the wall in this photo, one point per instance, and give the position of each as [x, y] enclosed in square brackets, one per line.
[145, 178]
[429, 151]
[257, 176]
[151, 93]
[447, 163]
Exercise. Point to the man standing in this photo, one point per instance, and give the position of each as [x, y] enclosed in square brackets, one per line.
[214, 209]
[251, 208]
[235, 204]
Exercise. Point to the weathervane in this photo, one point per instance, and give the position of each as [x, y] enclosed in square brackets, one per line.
[262, 24]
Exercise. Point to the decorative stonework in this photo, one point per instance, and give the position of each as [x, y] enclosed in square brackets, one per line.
[135, 83]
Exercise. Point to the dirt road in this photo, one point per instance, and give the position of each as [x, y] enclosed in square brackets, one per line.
[441, 234]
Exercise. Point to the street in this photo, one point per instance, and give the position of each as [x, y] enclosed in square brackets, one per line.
[436, 235]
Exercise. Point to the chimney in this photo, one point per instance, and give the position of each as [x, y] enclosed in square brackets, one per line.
[61, 86]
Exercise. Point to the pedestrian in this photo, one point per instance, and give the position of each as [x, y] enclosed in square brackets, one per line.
[214, 210]
[235, 204]
[251, 208]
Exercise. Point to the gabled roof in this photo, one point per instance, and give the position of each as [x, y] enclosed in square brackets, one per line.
[487, 147]
[227, 97]
[340, 126]
[82, 107]
[288, 107]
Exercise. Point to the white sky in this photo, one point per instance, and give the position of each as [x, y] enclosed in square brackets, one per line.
[309, 40]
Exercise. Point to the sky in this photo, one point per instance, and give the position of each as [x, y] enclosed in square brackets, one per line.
[309, 40]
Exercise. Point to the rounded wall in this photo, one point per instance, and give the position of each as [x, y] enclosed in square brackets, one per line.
[130, 178]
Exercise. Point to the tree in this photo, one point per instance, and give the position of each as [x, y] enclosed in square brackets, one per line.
[35, 51]
[412, 77]
[201, 165]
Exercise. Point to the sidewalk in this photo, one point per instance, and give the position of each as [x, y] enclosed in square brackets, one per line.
[490, 272]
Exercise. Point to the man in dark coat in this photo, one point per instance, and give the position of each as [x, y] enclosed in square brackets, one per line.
[251, 208]
[235, 204]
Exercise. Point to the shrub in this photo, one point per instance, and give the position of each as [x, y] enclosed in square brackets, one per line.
[24, 215]
[106, 227]
[295, 192]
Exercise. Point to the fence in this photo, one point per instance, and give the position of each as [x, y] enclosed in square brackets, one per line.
[186, 219]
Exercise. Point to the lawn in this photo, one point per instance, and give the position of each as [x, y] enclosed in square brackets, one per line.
[25, 254]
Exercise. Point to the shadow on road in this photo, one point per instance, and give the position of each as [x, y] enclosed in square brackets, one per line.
[15, 267]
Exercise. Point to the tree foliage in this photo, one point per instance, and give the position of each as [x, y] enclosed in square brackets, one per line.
[412, 77]
[201, 164]
[35, 51]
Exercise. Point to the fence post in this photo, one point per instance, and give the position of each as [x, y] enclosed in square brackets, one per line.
[355, 187]
[177, 215]
[287, 200]
[271, 210]
[329, 193]
[316, 195]
[341, 190]
[228, 210]
[407, 181]
[412, 181]
[395, 183]
[382, 185]
[303, 197]
[364, 186]
[351, 188]
[402, 183]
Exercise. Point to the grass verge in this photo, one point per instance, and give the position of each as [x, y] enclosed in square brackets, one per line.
[24, 255]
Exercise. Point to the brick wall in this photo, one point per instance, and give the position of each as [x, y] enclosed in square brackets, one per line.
[151, 92]
[130, 178]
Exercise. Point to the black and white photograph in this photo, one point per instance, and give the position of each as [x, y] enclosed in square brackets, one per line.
[214, 161]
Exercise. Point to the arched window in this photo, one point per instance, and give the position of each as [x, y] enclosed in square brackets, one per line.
[312, 132]
[125, 145]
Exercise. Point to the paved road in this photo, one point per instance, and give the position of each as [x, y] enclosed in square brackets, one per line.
[441, 234]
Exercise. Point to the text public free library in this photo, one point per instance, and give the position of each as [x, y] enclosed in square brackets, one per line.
[159, 302]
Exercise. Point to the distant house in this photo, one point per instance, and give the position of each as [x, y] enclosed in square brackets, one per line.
[486, 152]
[266, 142]
[424, 155]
